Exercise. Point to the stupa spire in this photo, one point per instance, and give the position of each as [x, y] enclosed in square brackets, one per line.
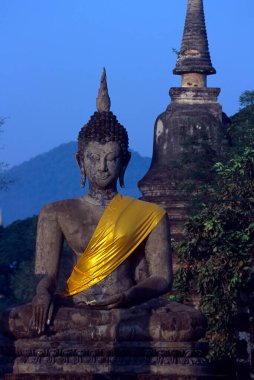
[103, 99]
[194, 56]
[193, 106]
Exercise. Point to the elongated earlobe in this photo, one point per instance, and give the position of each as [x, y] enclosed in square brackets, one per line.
[82, 170]
[121, 176]
[83, 179]
[122, 170]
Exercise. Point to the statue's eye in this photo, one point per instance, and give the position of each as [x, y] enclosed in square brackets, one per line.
[94, 157]
[112, 158]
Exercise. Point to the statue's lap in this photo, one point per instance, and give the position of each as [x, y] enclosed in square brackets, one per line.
[155, 320]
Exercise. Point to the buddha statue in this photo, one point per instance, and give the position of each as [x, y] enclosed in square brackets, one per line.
[122, 257]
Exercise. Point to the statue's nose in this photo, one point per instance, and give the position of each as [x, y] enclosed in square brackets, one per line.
[103, 165]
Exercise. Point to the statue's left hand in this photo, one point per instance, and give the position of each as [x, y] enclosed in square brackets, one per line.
[42, 306]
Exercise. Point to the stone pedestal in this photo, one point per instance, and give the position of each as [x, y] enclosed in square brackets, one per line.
[42, 359]
[115, 377]
[157, 339]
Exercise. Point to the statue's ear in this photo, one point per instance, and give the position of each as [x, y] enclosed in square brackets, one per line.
[122, 171]
[80, 163]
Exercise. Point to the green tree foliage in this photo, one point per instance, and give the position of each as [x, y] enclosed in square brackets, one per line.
[246, 98]
[241, 130]
[17, 246]
[17, 242]
[215, 257]
[17, 258]
[23, 282]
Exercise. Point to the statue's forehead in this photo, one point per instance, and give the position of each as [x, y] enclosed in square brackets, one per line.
[108, 147]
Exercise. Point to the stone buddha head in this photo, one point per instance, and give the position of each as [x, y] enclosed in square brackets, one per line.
[103, 143]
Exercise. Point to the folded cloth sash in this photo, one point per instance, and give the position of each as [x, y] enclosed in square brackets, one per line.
[125, 223]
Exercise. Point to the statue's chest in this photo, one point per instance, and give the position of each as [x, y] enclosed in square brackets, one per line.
[78, 231]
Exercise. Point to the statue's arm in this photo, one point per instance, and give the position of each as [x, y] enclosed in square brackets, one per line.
[159, 258]
[48, 248]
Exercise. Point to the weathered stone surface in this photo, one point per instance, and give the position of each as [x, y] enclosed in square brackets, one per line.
[112, 376]
[119, 324]
[194, 56]
[194, 80]
[156, 320]
[192, 105]
[197, 97]
[191, 109]
[42, 357]
[103, 99]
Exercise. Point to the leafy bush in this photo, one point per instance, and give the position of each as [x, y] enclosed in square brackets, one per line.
[214, 258]
[246, 98]
[17, 257]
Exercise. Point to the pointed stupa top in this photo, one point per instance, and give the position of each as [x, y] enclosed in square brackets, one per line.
[194, 56]
[103, 99]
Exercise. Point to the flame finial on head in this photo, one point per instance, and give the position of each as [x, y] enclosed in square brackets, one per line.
[103, 99]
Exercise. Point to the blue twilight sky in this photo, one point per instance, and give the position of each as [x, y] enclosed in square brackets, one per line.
[53, 51]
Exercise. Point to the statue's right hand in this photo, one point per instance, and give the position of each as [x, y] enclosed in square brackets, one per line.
[42, 307]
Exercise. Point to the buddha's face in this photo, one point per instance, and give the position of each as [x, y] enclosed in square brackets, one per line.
[102, 163]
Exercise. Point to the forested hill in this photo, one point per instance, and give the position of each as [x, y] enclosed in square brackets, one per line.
[54, 176]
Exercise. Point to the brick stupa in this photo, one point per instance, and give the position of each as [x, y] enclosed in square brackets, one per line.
[192, 105]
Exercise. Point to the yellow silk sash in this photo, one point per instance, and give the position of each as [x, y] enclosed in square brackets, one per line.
[125, 223]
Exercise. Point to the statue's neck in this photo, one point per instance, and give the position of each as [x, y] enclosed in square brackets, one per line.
[101, 197]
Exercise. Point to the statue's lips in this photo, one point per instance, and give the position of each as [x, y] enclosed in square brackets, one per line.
[103, 177]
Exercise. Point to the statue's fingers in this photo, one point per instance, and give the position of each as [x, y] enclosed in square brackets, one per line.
[32, 320]
[42, 319]
[50, 313]
[33, 317]
[36, 318]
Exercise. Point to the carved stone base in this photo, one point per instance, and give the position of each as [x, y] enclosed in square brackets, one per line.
[126, 361]
[112, 377]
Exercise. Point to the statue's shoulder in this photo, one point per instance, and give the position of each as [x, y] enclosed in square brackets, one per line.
[54, 209]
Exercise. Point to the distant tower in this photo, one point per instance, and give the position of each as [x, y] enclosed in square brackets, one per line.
[193, 104]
